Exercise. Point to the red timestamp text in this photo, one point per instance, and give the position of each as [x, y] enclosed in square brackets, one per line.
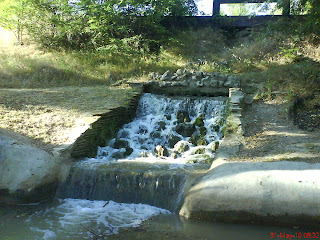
[296, 235]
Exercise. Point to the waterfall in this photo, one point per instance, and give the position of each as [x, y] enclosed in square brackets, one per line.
[153, 156]
[165, 121]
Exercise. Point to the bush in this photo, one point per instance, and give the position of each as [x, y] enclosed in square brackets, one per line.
[95, 24]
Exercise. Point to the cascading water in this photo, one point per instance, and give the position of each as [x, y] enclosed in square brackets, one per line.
[170, 128]
[152, 156]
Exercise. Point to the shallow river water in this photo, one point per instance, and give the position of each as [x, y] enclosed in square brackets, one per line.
[83, 219]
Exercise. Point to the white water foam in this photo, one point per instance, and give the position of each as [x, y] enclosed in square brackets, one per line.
[48, 235]
[154, 110]
[83, 219]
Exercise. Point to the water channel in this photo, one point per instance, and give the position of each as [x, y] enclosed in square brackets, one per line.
[134, 187]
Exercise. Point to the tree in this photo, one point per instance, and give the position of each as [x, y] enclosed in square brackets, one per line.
[92, 24]
[14, 16]
[310, 8]
[237, 9]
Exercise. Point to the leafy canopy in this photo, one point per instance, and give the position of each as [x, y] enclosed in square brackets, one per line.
[91, 24]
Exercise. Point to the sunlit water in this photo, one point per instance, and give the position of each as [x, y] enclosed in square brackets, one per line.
[83, 219]
[156, 122]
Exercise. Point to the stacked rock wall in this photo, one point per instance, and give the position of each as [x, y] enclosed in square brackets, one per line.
[103, 129]
[184, 82]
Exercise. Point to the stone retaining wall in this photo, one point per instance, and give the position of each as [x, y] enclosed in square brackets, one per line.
[103, 129]
[184, 82]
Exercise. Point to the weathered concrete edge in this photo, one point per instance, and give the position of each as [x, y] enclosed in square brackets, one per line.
[283, 193]
[101, 130]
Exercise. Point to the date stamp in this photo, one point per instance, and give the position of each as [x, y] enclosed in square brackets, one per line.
[296, 235]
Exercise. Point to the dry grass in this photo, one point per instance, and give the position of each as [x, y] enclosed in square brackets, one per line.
[27, 66]
[203, 43]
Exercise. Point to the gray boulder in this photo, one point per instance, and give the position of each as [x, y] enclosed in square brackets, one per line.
[185, 129]
[182, 146]
[27, 173]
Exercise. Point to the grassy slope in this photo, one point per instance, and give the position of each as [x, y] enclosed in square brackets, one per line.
[276, 60]
[266, 63]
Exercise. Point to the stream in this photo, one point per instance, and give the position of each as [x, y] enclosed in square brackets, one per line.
[134, 187]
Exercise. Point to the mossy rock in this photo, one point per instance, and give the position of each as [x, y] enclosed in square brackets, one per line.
[124, 134]
[118, 155]
[198, 140]
[203, 131]
[121, 155]
[200, 151]
[161, 125]
[183, 116]
[155, 134]
[144, 154]
[168, 117]
[173, 139]
[215, 146]
[128, 151]
[182, 146]
[119, 143]
[222, 121]
[216, 128]
[185, 129]
[174, 155]
[142, 130]
[202, 142]
[199, 121]
[201, 159]
[161, 151]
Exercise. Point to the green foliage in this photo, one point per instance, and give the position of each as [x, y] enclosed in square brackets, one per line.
[14, 15]
[238, 9]
[310, 8]
[289, 53]
[91, 25]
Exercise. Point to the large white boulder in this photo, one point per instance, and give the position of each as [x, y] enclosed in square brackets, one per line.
[27, 173]
[286, 192]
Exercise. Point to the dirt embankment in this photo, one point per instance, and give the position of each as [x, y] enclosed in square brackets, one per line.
[270, 135]
[56, 116]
